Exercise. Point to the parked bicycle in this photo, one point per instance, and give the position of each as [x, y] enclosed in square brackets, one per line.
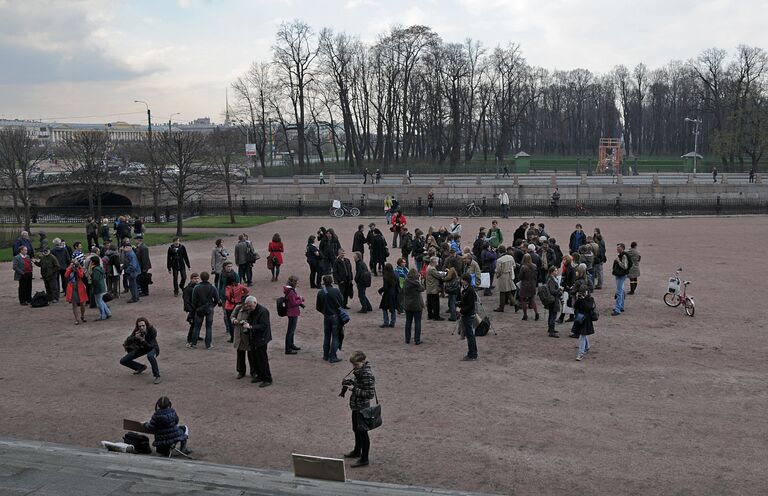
[470, 210]
[676, 294]
[341, 209]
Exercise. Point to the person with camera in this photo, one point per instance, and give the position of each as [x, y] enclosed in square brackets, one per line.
[260, 334]
[142, 341]
[242, 341]
[77, 294]
[467, 309]
[164, 424]
[362, 388]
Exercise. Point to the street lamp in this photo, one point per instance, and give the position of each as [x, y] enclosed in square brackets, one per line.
[149, 120]
[169, 120]
[697, 123]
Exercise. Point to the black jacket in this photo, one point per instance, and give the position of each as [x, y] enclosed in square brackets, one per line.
[261, 329]
[379, 249]
[342, 271]
[132, 343]
[468, 299]
[186, 295]
[358, 242]
[177, 257]
[204, 294]
[335, 301]
[362, 274]
[142, 254]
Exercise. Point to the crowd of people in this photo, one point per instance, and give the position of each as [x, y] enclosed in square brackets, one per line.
[432, 264]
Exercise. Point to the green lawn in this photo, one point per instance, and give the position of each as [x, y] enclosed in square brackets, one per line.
[149, 238]
[222, 221]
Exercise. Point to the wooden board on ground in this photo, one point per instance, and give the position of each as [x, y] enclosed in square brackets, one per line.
[319, 467]
[132, 425]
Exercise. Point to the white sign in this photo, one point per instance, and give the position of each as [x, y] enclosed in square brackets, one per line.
[250, 149]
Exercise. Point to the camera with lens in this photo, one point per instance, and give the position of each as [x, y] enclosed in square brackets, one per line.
[345, 386]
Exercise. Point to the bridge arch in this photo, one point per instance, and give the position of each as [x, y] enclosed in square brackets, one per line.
[80, 198]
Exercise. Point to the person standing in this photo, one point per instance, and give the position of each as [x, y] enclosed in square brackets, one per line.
[467, 310]
[369, 242]
[23, 240]
[621, 267]
[365, 175]
[583, 325]
[751, 175]
[178, 263]
[528, 280]
[62, 257]
[91, 232]
[22, 272]
[228, 272]
[556, 203]
[363, 282]
[186, 296]
[204, 299]
[138, 228]
[329, 249]
[219, 255]
[322, 178]
[413, 303]
[388, 208]
[430, 203]
[495, 236]
[242, 258]
[142, 341]
[578, 238]
[488, 259]
[99, 280]
[553, 286]
[378, 176]
[358, 240]
[506, 171]
[328, 302]
[379, 252]
[388, 292]
[261, 334]
[131, 269]
[76, 295]
[276, 250]
[505, 278]
[294, 303]
[362, 391]
[49, 270]
[504, 202]
[434, 278]
[714, 174]
[234, 294]
[114, 268]
[242, 342]
[104, 230]
[313, 257]
[142, 254]
[342, 276]
[455, 227]
[398, 223]
[418, 249]
[634, 267]
[408, 176]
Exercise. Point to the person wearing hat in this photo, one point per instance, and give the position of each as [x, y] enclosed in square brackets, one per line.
[49, 270]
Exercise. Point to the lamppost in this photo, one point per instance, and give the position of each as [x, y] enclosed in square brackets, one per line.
[169, 120]
[149, 120]
[697, 123]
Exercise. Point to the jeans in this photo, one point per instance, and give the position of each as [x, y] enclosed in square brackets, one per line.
[597, 275]
[430, 211]
[228, 326]
[144, 286]
[208, 316]
[387, 319]
[583, 344]
[452, 305]
[469, 332]
[415, 318]
[181, 271]
[362, 441]
[242, 271]
[504, 210]
[129, 361]
[419, 264]
[365, 304]
[620, 280]
[552, 317]
[292, 323]
[330, 336]
[133, 286]
[389, 217]
[103, 308]
[395, 238]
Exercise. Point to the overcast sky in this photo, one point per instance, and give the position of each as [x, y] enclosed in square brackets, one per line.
[91, 59]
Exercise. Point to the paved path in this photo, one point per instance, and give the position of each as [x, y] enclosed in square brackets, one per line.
[34, 468]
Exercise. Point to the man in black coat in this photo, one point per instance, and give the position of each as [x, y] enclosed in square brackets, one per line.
[261, 335]
[369, 242]
[329, 301]
[342, 276]
[142, 254]
[363, 282]
[186, 296]
[358, 242]
[178, 263]
[467, 310]
[204, 299]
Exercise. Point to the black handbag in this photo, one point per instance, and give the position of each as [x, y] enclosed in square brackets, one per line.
[371, 415]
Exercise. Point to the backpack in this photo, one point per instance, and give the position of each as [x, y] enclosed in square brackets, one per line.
[282, 306]
[594, 314]
[545, 296]
[39, 300]
[365, 279]
[140, 442]
[407, 245]
[483, 327]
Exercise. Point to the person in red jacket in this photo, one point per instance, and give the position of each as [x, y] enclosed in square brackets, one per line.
[398, 222]
[294, 304]
[234, 294]
[275, 259]
[76, 292]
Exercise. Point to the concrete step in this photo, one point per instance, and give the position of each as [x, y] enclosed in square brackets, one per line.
[40, 468]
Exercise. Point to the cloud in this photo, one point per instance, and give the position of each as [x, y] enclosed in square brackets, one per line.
[353, 4]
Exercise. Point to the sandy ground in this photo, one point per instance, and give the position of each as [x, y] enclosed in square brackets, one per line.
[663, 404]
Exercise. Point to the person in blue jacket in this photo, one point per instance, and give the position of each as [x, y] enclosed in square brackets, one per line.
[164, 424]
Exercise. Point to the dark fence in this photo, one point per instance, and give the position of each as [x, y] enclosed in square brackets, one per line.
[489, 207]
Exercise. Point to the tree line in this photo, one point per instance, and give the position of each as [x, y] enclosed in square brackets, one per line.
[411, 97]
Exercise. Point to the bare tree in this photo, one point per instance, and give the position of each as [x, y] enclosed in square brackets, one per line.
[252, 97]
[185, 173]
[87, 164]
[19, 156]
[225, 147]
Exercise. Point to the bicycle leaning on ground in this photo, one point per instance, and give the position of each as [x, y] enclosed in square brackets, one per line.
[676, 294]
[470, 210]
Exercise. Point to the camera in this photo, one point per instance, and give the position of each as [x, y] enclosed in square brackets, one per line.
[345, 386]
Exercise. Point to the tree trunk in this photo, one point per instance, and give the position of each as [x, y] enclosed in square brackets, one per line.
[179, 222]
[230, 206]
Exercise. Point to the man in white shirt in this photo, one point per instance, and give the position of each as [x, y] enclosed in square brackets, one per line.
[504, 201]
[455, 227]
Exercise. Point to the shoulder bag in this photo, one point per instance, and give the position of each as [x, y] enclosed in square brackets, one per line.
[371, 415]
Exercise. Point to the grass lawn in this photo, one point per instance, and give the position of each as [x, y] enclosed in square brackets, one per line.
[222, 221]
[149, 238]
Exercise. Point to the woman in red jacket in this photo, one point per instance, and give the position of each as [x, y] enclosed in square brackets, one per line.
[275, 259]
[294, 303]
[76, 292]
